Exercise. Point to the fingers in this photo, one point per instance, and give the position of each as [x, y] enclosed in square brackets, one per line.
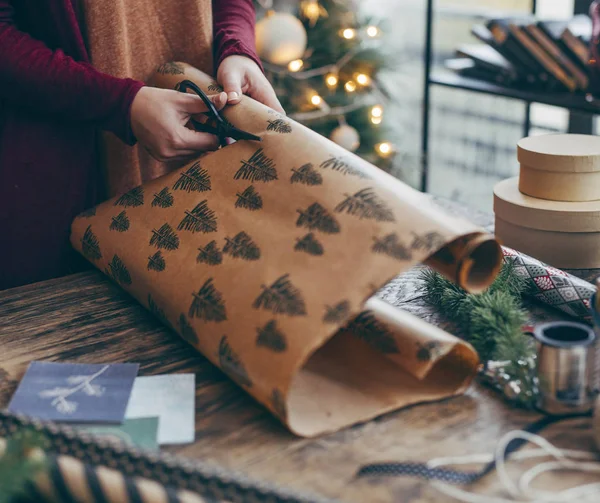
[194, 141]
[263, 92]
[231, 81]
[191, 104]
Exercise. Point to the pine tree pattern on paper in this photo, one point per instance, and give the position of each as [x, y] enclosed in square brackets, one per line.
[90, 212]
[156, 262]
[428, 351]
[307, 175]
[259, 168]
[366, 327]
[279, 126]
[208, 303]
[195, 179]
[157, 311]
[429, 241]
[210, 254]
[270, 337]
[118, 271]
[214, 87]
[133, 198]
[342, 165]
[231, 364]
[390, 245]
[278, 404]
[164, 199]
[337, 313]
[242, 246]
[187, 331]
[316, 217]
[90, 246]
[170, 68]
[165, 238]
[200, 219]
[366, 204]
[309, 244]
[282, 297]
[249, 199]
[120, 223]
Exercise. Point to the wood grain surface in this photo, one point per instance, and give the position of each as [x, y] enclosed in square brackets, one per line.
[85, 318]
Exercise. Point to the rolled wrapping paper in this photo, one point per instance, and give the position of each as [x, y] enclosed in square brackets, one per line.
[264, 256]
[552, 286]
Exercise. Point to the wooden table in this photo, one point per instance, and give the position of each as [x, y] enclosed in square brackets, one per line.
[85, 318]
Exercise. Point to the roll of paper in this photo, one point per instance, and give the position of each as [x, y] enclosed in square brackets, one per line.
[265, 255]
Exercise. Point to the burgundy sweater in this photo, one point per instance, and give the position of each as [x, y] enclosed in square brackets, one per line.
[52, 103]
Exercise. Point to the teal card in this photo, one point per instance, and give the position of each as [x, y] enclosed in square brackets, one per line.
[140, 432]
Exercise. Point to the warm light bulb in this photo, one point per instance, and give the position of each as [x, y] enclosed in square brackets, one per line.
[331, 80]
[376, 120]
[349, 33]
[377, 111]
[372, 31]
[316, 100]
[362, 79]
[296, 65]
[384, 149]
[311, 10]
[350, 86]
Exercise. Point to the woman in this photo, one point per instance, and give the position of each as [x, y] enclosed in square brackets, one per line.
[70, 69]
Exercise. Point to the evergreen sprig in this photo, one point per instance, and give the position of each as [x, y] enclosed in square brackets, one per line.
[491, 321]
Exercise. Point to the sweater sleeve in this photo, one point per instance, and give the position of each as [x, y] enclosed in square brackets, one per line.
[233, 29]
[49, 81]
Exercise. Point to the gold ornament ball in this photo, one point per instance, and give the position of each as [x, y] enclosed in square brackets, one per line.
[346, 136]
[280, 38]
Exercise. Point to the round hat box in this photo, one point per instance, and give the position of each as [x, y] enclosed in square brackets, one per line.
[560, 167]
[559, 233]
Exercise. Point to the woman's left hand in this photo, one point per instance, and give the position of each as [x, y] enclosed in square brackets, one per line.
[240, 75]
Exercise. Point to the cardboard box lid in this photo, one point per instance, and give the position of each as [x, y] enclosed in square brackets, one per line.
[526, 211]
[560, 152]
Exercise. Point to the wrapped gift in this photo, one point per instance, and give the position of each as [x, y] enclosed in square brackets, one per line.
[265, 256]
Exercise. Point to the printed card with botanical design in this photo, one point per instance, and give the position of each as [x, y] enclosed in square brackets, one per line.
[265, 257]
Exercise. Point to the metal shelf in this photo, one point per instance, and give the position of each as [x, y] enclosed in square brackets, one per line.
[571, 101]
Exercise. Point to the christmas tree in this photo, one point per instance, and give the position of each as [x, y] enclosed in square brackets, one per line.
[323, 59]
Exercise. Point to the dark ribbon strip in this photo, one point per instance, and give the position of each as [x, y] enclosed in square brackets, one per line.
[448, 475]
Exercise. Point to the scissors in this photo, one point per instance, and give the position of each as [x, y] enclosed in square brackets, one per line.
[221, 128]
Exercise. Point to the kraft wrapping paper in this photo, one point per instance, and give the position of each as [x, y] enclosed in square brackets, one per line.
[265, 257]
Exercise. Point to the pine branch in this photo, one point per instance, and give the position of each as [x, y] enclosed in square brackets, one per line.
[281, 297]
[309, 244]
[164, 199]
[390, 245]
[214, 87]
[120, 223]
[195, 179]
[90, 247]
[430, 241]
[118, 271]
[210, 254]
[208, 303]
[133, 198]
[249, 199]
[342, 165]
[165, 238]
[366, 204]
[316, 217]
[337, 313]
[259, 168]
[170, 68]
[156, 262]
[279, 126]
[242, 246]
[232, 365]
[157, 311]
[368, 328]
[200, 219]
[306, 175]
[187, 331]
[271, 337]
[91, 212]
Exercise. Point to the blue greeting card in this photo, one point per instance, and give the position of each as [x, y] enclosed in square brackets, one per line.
[75, 392]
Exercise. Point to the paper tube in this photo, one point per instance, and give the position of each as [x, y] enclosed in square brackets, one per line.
[259, 254]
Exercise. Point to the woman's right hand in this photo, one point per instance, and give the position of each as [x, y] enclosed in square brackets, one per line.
[159, 118]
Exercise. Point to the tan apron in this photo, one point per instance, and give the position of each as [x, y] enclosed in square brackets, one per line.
[130, 38]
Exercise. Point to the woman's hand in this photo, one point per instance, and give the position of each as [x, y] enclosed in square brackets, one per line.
[159, 118]
[240, 75]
